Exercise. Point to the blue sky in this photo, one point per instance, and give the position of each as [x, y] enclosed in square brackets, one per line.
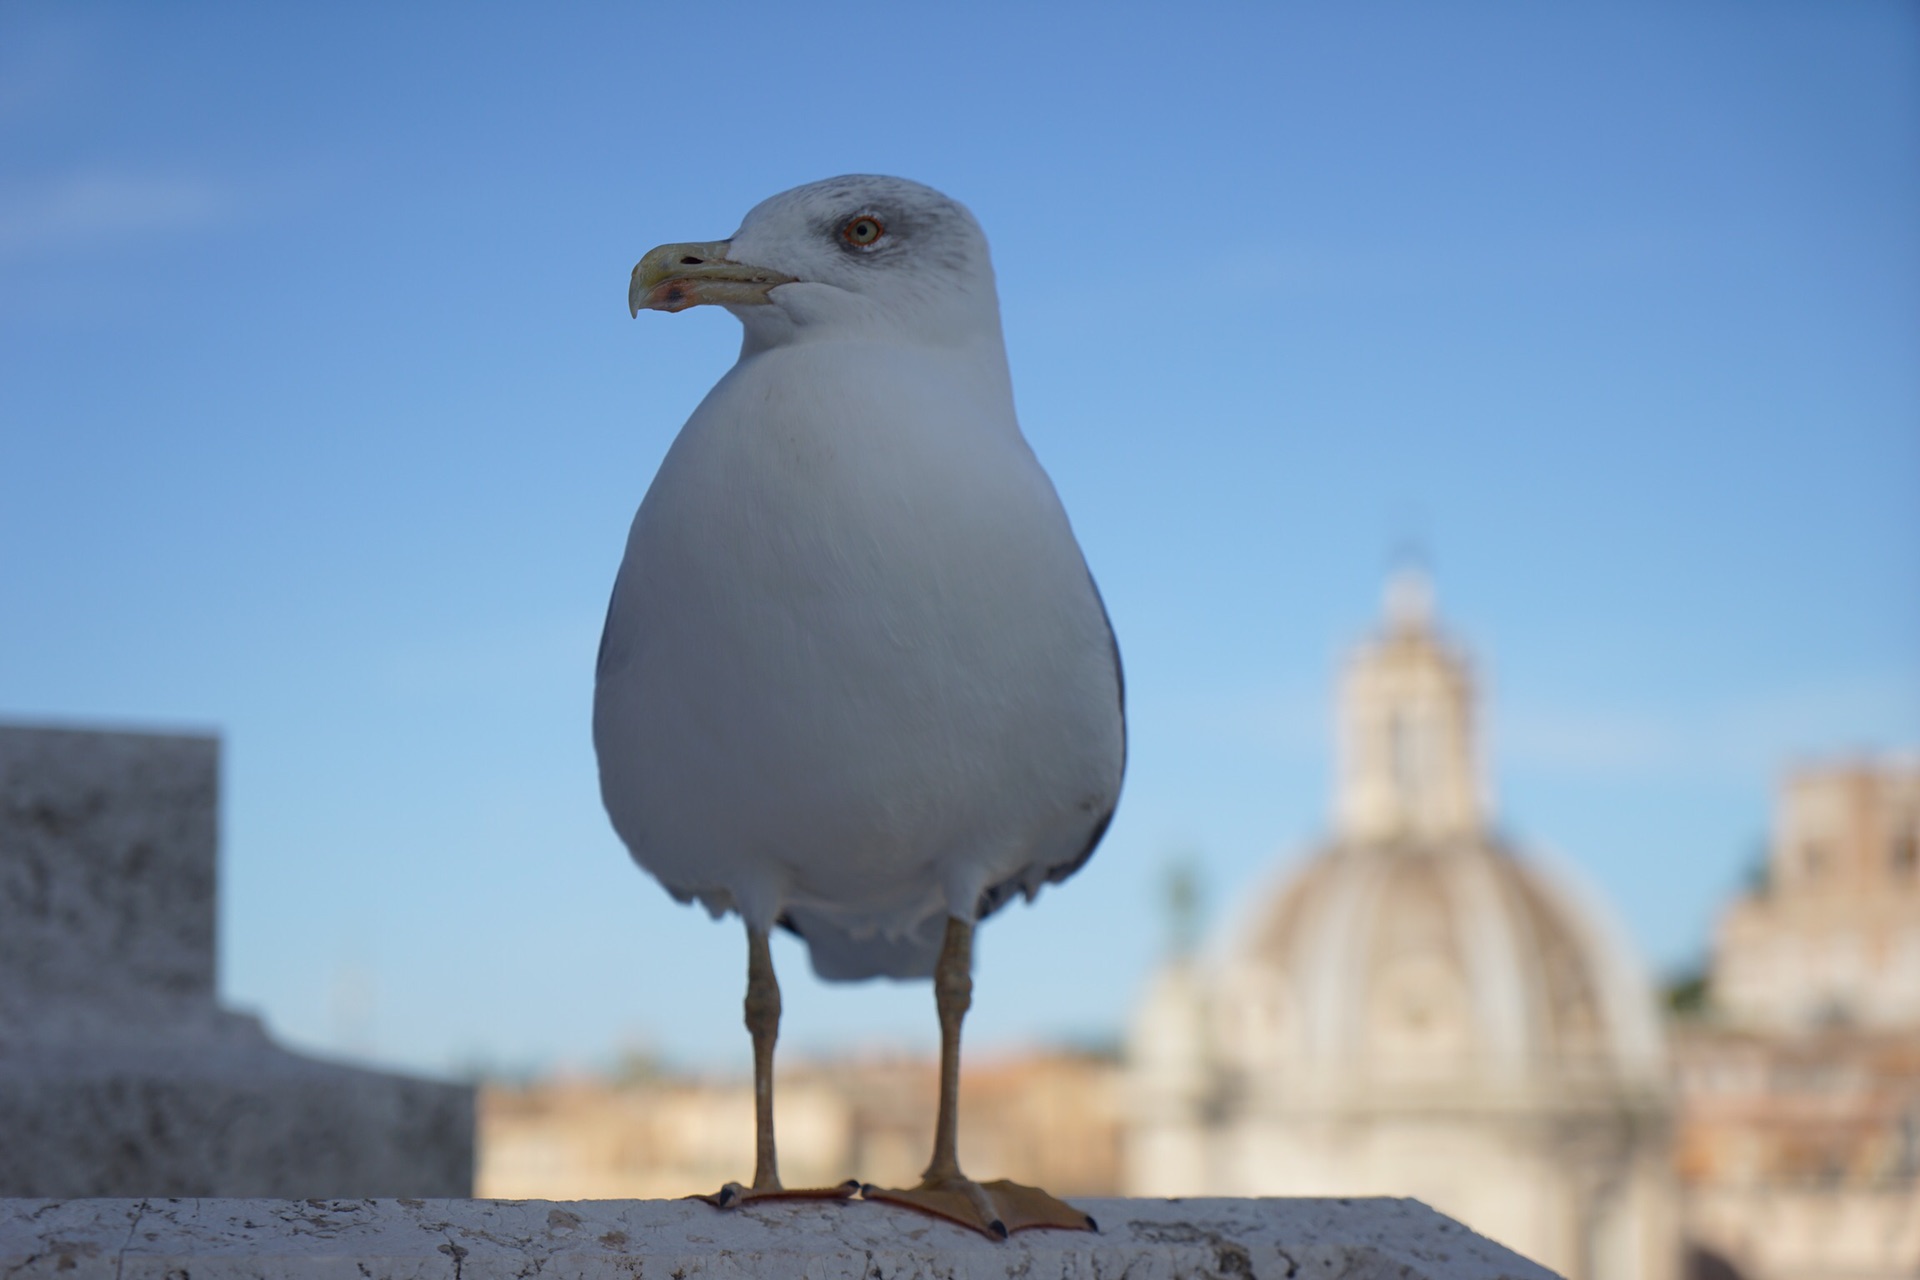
[322, 420]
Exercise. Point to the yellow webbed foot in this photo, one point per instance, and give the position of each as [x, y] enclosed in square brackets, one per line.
[996, 1209]
[733, 1195]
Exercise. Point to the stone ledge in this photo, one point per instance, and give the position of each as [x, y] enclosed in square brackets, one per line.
[1360, 1239]
[225, 1119]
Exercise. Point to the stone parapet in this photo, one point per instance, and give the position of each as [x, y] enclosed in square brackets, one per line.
[1359, 1239]
[120, 1074]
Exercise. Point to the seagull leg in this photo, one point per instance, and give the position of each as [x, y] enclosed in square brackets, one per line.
[993, 1208]
[763, 1024]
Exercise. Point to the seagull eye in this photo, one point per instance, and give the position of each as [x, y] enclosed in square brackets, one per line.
[863, 232]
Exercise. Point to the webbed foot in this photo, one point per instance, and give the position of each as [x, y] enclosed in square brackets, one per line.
[996, 1209]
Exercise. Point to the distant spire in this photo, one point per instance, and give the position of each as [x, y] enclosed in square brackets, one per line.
[1180, 900]
[1408, 599]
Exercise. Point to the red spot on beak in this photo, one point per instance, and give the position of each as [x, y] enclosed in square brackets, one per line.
[673, 295]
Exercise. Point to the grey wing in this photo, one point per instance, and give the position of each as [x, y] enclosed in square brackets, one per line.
[998, 895]
[609, 654]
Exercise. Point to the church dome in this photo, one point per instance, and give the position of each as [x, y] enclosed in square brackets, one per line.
[1417, 961]
[1416, 948]
[1418, 1008]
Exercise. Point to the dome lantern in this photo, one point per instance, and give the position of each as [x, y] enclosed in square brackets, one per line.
[1409, 760]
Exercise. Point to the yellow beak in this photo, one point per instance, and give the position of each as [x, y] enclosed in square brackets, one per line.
[677, 276]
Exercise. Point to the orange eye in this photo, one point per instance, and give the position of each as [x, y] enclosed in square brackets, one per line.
[863, 232]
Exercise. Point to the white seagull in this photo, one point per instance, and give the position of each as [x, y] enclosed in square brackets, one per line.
[856, 680]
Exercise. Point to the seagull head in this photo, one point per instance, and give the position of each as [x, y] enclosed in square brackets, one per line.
[850, 255]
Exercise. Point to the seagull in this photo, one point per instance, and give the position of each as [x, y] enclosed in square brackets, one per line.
[856, 680]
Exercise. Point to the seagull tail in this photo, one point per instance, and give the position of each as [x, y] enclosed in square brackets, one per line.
[840, 956]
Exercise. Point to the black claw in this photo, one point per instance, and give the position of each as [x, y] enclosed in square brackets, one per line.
[727, 1196]
[867, 1189]
[852, 1185]
[998, 1228]
[1091, 1224]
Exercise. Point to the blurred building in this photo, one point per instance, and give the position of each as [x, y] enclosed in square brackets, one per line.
[1048, 1119]
[1832, 936]
[1417, 1009]
[1799, 1080]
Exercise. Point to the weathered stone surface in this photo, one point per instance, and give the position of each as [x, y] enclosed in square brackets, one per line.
[106, 881]
[1363, 1239]
[119, 1072]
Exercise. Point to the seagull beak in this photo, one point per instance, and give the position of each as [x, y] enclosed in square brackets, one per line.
[677, 276]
